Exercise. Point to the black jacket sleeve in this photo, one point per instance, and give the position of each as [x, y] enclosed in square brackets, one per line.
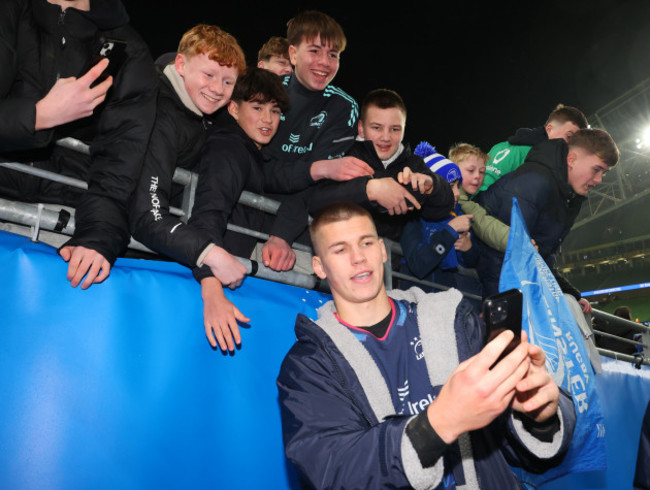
[151, 221]
[328, 191]
[19, 90]
[292, 218]
[439, 203]
[225, 167]
[117, 154]
[287, 177]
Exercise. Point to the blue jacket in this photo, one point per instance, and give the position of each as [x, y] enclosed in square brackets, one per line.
[428, 253]
[339, 424]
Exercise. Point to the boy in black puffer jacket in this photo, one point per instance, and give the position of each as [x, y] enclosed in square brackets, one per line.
[51, 96]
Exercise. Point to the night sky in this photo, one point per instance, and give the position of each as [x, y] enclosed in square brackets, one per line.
[467, 71]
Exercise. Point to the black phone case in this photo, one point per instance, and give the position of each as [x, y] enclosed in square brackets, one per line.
[112, 49]
[497, 320]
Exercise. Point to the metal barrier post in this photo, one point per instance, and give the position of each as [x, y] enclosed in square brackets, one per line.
[189, 181]
[37, 226]
[645, 341]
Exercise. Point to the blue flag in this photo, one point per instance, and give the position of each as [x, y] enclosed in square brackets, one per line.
[549, 323]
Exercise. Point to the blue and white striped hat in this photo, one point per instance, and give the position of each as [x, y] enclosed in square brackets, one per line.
[438, 163]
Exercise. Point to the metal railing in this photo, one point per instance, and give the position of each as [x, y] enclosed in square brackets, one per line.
[39, 217]
[391, 273]
[642, 356]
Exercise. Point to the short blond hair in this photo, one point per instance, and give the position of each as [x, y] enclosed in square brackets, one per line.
[216, 43]
[333, 213]
[460, 151]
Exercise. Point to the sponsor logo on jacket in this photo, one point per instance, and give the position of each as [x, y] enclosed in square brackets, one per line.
[318, 120]
[294, 147]
[155, 201]
[415, 408]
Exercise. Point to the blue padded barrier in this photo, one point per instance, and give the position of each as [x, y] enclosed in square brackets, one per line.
[117, 387]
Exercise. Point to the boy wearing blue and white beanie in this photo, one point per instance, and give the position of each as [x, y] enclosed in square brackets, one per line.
[440, 251]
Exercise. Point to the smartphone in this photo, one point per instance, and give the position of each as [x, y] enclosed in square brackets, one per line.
[501, 312]
[112, 49]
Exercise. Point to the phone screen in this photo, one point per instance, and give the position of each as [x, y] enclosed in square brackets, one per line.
[501, 312]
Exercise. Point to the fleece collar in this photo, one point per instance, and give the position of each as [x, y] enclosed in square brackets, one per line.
[178, 84]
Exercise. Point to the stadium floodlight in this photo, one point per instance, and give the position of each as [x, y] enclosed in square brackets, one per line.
[644, 140]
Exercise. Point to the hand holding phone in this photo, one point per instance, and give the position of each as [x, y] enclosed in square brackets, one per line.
[72, 98]
[113, 50]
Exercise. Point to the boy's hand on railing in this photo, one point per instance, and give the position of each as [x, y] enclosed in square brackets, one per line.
[225, 267]
[220, 316]
[278, 255]
[72, 98]
[85, 262]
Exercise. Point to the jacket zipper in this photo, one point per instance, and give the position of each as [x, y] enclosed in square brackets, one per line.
[63, 40]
